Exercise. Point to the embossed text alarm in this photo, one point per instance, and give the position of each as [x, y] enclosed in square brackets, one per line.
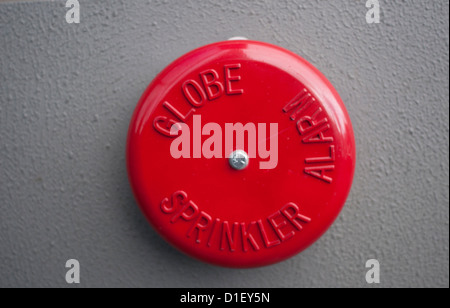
[241, 154]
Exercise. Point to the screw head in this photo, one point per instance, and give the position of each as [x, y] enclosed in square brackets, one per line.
[239, 160]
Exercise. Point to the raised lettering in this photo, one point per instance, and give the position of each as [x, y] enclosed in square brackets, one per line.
[163, 125]
[292, 213]
[229, 236]
[213, 231]
[300, 103]
[265, 237]
[229, 78]
[277, 226]
[178, 114]
[191, 86]
[201, 224]
[188, 212]
[214, 88]
[328, 159]
[319, 172]
[247, 237]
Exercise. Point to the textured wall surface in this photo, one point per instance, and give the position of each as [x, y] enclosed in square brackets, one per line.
[67, 93]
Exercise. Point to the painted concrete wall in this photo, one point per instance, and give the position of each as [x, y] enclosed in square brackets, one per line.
[67, 93]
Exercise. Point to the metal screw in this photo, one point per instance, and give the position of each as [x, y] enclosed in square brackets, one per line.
[239, 160]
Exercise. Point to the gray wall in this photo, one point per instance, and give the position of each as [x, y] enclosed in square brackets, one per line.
[67, 93]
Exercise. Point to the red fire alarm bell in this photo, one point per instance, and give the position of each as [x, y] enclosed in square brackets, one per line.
[241, 153]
